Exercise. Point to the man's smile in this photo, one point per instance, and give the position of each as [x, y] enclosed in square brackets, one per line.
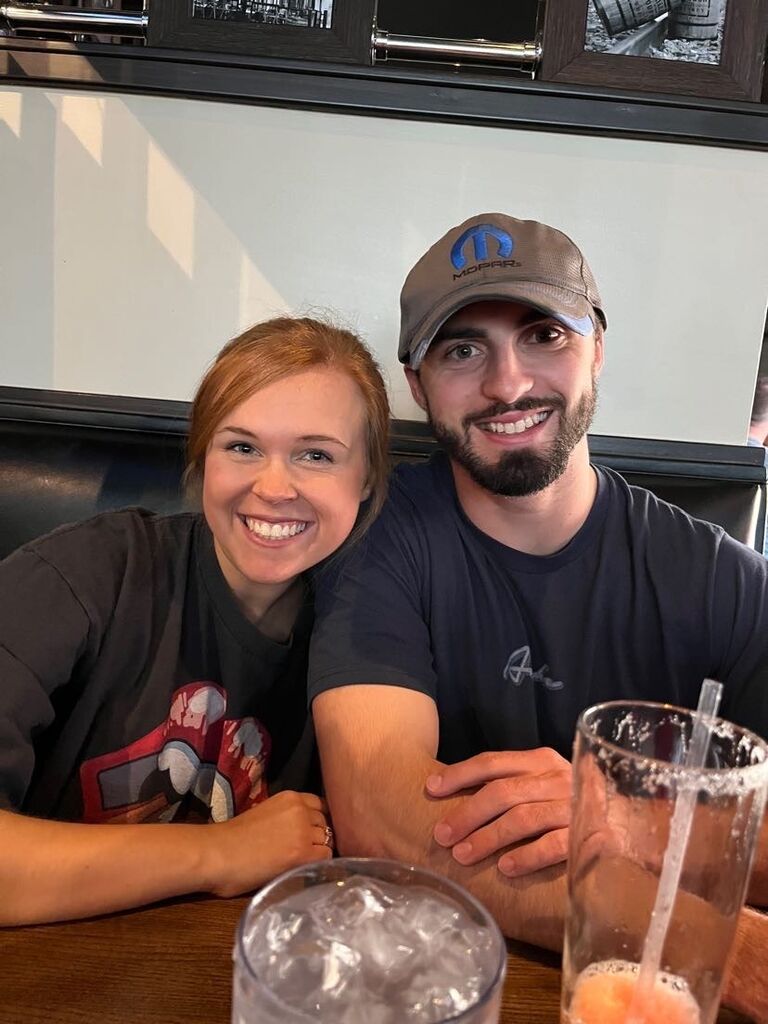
[514, 426]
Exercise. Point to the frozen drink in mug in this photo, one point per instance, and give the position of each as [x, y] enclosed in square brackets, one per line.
[630, 777]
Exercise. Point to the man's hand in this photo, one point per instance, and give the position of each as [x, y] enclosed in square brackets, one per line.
[524, 801]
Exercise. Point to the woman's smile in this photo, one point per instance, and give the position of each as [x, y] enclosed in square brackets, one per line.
[275, 530]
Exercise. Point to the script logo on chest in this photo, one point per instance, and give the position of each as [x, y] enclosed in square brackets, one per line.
[519, 669]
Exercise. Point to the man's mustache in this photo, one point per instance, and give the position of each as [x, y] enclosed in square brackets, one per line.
[522, 405]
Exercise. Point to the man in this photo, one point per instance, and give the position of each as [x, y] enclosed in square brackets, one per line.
[508, 585]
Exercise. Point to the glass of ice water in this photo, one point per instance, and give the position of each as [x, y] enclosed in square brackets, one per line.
[363, 941]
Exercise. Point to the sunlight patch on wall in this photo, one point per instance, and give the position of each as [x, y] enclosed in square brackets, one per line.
[170, 209]
[10, 111]
[259, 300]
[84, 116]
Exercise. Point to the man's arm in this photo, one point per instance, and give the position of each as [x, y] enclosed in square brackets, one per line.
[757, 894]
[377, 747]
[55, 871]
[745, 987]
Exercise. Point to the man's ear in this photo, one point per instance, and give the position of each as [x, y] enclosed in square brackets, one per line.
[597, 365]
[414, 384]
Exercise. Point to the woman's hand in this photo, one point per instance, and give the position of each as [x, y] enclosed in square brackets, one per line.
[248, 850]
[524, 802]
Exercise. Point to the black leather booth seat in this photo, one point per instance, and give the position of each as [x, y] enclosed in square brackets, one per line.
[65, 456]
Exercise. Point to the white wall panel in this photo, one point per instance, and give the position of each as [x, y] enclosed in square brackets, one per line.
[139, 233]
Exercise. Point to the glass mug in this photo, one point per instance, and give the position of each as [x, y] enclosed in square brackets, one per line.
[628, 769]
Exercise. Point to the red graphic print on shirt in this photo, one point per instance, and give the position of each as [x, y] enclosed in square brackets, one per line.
[198, 765]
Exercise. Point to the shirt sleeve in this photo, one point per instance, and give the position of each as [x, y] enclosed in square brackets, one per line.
[43, 633]
[371, 613]
[740, 623]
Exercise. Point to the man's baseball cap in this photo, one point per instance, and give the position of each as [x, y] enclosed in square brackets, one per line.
[491, 257]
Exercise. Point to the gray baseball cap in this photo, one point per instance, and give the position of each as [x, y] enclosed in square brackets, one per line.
[496, 257]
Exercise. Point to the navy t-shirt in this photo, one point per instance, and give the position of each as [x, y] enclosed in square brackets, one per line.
[644, 602]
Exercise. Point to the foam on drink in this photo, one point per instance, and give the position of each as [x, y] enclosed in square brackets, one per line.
[605, 992]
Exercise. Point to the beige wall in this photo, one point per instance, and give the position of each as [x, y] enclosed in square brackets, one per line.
[139, 233]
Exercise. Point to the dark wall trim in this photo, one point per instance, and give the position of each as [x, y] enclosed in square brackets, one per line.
[693, 459]
[387, 91]
[104, 412]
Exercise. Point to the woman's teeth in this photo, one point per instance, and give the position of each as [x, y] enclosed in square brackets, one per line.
[274, 531]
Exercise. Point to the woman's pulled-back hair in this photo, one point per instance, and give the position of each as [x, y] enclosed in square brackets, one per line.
[270, 351]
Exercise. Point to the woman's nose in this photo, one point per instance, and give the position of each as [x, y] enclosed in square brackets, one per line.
[274, 482]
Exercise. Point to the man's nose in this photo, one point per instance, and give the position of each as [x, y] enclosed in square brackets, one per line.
[507, 377]
[274, 482]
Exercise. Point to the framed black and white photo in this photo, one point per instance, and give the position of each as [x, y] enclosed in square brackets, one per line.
[335, 30]
[710, 48]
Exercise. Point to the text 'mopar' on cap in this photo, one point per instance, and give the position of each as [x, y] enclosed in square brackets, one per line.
[495, 257]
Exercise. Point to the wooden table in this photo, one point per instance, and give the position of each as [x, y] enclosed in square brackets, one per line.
[171, 964]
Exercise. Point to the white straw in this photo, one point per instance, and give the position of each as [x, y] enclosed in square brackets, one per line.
[674, 855]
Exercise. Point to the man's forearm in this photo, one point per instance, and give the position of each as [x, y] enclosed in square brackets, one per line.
[758, 885]
[394, 817]
[745, 987]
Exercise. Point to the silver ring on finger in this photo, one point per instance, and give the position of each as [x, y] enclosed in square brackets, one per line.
[328, 837]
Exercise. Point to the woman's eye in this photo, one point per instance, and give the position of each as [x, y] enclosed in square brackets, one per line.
[316, 455]
[241, 447]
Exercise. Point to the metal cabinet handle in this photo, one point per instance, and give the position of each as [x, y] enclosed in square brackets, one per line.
[433, 48]
[73, 19]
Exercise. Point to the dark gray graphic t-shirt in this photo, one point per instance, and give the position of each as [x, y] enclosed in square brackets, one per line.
[133, 688]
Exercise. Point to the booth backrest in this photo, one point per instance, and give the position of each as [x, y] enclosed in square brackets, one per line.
[64, 457]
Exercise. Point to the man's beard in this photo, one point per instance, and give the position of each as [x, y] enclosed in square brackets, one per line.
[517, 473]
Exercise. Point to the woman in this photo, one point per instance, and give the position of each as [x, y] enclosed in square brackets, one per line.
[152, 669]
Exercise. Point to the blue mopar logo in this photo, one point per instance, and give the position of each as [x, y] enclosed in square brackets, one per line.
[479, 235]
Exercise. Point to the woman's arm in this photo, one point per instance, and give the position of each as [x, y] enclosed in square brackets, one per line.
[55, 871]
[45, 630]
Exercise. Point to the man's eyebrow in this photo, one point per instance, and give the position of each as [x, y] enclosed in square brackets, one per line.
[231, 428]
[469, 331]
[452, 333]
[535, 316]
